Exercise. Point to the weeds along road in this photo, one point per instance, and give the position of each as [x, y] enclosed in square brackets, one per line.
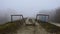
[37, 29]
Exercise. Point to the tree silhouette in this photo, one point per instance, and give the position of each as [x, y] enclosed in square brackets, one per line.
[57, 16]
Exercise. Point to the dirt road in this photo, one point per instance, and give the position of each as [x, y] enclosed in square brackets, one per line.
[37, 29]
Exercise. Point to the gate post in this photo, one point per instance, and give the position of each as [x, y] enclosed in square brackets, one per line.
[15, 15]
[42, 15]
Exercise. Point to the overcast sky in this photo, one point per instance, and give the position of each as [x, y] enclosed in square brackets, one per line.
[29, 7]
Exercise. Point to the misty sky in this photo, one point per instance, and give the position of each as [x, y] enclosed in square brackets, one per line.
[29, 7]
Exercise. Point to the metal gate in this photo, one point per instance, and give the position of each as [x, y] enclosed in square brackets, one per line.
[42, 17]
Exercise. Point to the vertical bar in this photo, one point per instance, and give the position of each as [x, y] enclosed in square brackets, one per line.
[45, 18]
[48, 18]
[22, 17]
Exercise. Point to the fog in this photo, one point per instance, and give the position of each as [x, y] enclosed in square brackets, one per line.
[29, 8]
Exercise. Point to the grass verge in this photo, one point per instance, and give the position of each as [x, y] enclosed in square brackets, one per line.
[10, 27]
[50, 27]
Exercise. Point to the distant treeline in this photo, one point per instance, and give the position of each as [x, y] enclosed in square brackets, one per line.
[54, 15]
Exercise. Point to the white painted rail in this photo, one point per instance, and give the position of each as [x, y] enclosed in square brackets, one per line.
[57, 24]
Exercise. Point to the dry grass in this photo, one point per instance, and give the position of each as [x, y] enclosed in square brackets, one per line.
[10, 27]
[50, 27]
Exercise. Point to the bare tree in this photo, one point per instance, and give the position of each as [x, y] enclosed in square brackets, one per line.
[57, 15]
